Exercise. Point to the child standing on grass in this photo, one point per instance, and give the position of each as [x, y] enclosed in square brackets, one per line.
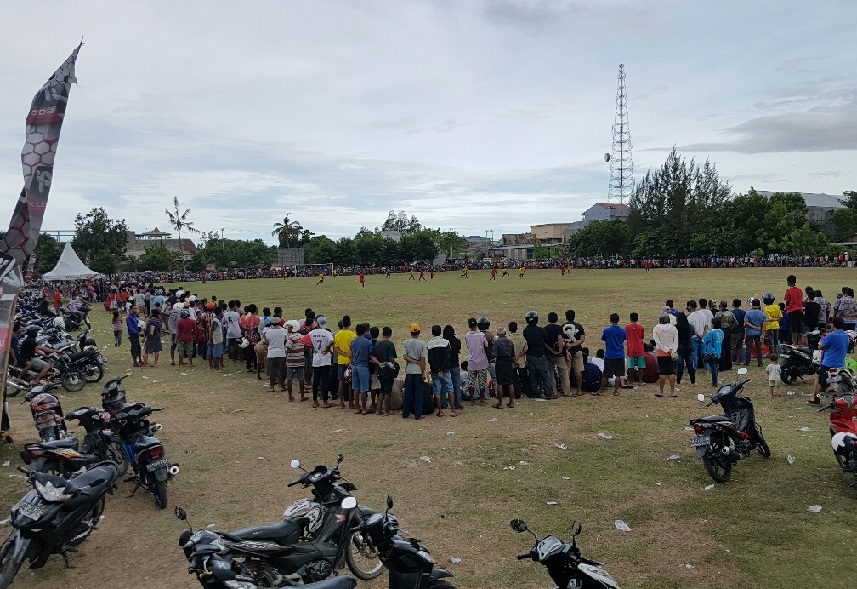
[773, 370]
[117, 328]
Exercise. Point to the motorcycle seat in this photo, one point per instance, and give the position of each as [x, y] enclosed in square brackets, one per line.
[333, 583]
[94, 478]
[75, 356]
[145, 442]
[59, 444]
[710, 419]
[286, 529]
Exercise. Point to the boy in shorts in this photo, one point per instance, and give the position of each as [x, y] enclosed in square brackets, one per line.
[773, 370]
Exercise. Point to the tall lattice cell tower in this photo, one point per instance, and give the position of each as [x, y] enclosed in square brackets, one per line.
[621, 163]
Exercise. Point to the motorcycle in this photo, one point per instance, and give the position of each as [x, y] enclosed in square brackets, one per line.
[566, 566]
[843, 432]
[47, 412]
[314, 539]
[409, 564]
[722, 440]
[99, 439]
[204, 551]
[795, 363]
[54, 517]
[79, 368]
[152, 470]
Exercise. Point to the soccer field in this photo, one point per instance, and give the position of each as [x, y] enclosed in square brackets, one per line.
[234, 441]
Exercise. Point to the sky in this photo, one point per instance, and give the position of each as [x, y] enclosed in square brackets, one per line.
[475, 116]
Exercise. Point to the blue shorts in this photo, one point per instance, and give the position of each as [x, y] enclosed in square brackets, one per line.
[360, 378]
[441, 386]
[340, 372]
[216, 350]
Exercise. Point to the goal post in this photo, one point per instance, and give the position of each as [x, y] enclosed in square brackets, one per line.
[313, 269]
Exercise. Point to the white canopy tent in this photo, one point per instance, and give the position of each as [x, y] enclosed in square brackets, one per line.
[69, 267]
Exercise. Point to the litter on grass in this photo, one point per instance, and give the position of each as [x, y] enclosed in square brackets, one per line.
[803, 429]
[814, 509]
[622, 526]
[604, 436]
[524, 463]
[455, 560]
[552, 503]
[566, 478]
[425, 458]
[709, 487]
[561, 446]
[674, 457]
[791, 459]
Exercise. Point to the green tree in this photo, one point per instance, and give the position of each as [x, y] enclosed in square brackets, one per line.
[844, 222]
[786, 215]
[450, 242]
[344, 251]
[850, 200]
[601, 238]
[291, 234]
[158, 258]
[320, 250]
[48, 251]
[418, 246]
[197, 262]
[99, 241]
[179, 221]
[399, 221]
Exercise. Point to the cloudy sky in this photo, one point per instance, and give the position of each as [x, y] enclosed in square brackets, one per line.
[472, 115]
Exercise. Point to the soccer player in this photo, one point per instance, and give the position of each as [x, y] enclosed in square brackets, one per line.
[493, 274]
[505, 272]
[412, 274]
[320, 278]
[521, 270]
[362, 279]
[422, 276]
[464, 272]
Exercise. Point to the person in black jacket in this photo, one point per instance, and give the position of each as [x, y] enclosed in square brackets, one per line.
[438, 359]
[685, 349]
[454, 368]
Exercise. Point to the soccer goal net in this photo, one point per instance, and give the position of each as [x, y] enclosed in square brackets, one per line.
[313, 269]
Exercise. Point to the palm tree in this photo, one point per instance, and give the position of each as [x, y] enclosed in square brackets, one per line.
[179, 221]
[288, 232]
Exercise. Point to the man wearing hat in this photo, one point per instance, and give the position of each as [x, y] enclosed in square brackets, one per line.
[415, 355]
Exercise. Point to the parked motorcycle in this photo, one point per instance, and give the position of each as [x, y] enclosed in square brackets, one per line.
[795, 363]
[54, 517]
[47, 412]
[205, 551]
[79, 368]
[100, 440]
[565, 564]
[315, 538]
[843, 432]
[152, 470]
[409, 564]
[722, 440]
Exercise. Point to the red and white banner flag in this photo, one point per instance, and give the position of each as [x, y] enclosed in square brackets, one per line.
[44, 122]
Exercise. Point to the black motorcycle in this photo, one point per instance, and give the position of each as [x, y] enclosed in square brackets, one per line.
[204, 551]
[795, 363]
[100, 440]
[79, 368]
[315, 538]
[566, 566]
[409, 563]
[54, 517]
[145, 452]
[722, 440]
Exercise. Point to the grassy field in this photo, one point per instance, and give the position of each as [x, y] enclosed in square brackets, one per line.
[234, 441]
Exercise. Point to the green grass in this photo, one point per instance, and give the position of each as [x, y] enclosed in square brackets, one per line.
[753, 532]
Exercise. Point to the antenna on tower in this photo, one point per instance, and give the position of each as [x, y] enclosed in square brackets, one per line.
[621, 163]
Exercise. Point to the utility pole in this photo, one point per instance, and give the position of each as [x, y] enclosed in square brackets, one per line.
[621, 163]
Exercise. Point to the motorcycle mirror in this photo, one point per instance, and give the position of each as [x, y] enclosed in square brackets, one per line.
[576, 528]
[389, 502]
[295, 464]
[339, 459]
[349, 503]
[184, 538]
[180, 513]
[701, 398]
[742, 371]
[519, 525]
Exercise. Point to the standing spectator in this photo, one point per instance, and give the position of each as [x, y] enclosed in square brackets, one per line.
[477, 361]
[383, 355]
[666, 349]
[737, 343]
[699, 322]
[133, 323]
[117, 328]
[275, 359]
[557, 356]
[634, 333]
[845, 308]
[519, 366]
[773, 370]
[415, 355]
[537, 347]
[439, 359]
[773, 320]
[834, 348]
[824, 308]
[139, 299]
[794, 309]
[811, 310]
[153, 338]
[321, 341]
[754, 327]
[575, 336]
[250, 329]
[184, 337]
[454, 368]
[233, 330]
[727, 324]
[342, 348]
[361, 348]
[684, 352]
[294, 357]
[215, 339]
[613, 337]
[505, 359]
[712, 348]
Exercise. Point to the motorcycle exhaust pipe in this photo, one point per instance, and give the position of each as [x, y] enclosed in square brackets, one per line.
[156, 428]
[173, 470]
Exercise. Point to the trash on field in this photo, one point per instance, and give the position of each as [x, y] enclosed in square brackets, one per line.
[183, 373]
[791, 459]
[450, 433]
[146, 377]
[425, 458]
[455, 560]
[621, 526]
[338, 431]
[524, 463]
[687, 428]
[493, 419]
[790, 393]
[814, 509]
[260, 458]
[687, 565]
[6, 463]
[552, 503]
[674, 457]
[210, 526]
[154, 381]
[566, 478]
[236, 410]
[709, 487]
[561, 446]
[604, 436]
[508, 468]
[803, 429]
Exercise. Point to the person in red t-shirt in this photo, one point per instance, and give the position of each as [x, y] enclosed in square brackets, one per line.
[362, 279]
[57, 299]
[794, 310]
[185, 333]
[635, 349]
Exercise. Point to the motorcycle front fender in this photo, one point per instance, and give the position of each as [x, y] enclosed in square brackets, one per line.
[440, 574]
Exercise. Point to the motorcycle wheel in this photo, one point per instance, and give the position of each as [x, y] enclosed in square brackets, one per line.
[115, 452]
[718, 466]
[82, 531]
[788, 377]
[361, 556]
[12, 559]
[160, 491]
[96, 375]
[762, 448]
[72, 381]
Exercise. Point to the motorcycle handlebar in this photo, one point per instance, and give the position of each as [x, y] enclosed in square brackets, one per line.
[524, 555]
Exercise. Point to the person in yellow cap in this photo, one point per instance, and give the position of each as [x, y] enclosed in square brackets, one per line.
[415, 355]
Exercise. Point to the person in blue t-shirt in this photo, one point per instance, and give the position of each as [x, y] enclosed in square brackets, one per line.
[614, 353]
[834, 348]
[754, 324]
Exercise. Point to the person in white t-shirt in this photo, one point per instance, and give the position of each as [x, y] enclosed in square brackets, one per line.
[322, 342]
[276, 358]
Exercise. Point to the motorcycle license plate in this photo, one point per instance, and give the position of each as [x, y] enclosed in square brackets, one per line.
[32, 510]
[153, 466]
[700, 440]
